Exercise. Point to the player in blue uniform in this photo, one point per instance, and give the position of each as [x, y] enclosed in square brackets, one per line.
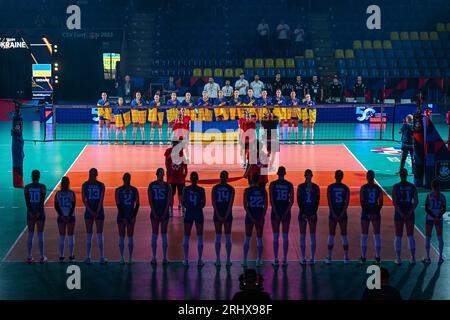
[281, 193]
[308, 199]
[160, 199]
[93, 193]
[338, 200]
[194, 200]
[435, 207]
[127, 202]
[222, 195]
[371, 198]
[34, 199]
[404, 197]
[255, 205]
[65, 202]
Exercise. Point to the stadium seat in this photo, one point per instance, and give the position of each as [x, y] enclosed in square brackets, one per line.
[389, 54]
[412, 63]
[414, 36]
[279, 63]
[448, 26]
[369, 54]
[229, 73]
[340, 63]
[379, 54]
[420, 53]
[406, 44]
[310, 63]
[404, 35]
[387, 44]
[409, 54]
[290, 63]
[402, 63]
[349, 54]
[396, 44]
[372, 63]
[270, 72]
[365, 73]
[237, 72]
[392, 63]
[424, 36]
[311, 72]
[395, 73]
[353, 73]
[404, 73]
[350, 63]
[343, 73]
[423, 63]
[269, 63]
[361, 63]
[290, 72]
[417, 44]
[440, 27]
[249, 73]
[218, 73]
[260, 72]
[248, 63]
[382, 64]
[339, 54]
[197, 72]
[373, 73]
[309, 54]
[207, 72]
[299, 63]
[429, 53]
[432, 63]
[367, 44]
[377, 45]
[357, 44]
[434, 35]
[395, 35]
[359, 54]
[282, 72]
[443, 63]
[259, 63]
[435, 72]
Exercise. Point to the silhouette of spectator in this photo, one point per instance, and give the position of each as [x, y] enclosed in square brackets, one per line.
[251, 285]
[386, 292]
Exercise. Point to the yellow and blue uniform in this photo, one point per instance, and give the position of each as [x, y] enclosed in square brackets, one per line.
[248, 102]
[104, 113]
[232, 111]
[138, 112]
[279, 112]
[221, 111]
[294, 113]
[189, 104]
[172, 113]
[204, 114]
[153, 114]
[122, 116]
[309, 111]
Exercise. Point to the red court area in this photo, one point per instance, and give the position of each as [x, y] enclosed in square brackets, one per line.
[142, 162]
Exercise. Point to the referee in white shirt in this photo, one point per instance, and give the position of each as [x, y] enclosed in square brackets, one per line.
[257, 87]
[242, 86]
[212, 88]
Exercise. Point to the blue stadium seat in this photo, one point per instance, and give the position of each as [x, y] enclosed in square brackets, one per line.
[300, 72]
[416, 44]
[372, 63]
[436, 44]
[249, 73]
[369, 54]
[402, 63]
[404, 73]
[282, 72]
[389, 54]
[361, 63]
[311, 72]
[399, 54]
[423, 63]
[429, 53]
[420, 53]
[415, 73]
[261, 72]
[436, 72]
[364, 73]
[409, 54]
[290, 72]
[340, 63]
[300, 63]
[382, 63]
[379, 54]
[270, 73]
[396, 44]
[350, 63]
[425, 73]
[432, 63]
[359, 53]
[427, 44]
[406, 44]
[412, 63]
[373, 73]
[353, 73]
[439, 53]
[443, 63]
[395, 73]
[311, 63]
[343, 73]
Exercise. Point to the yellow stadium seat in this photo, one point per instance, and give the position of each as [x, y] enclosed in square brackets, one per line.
[357, 44]
[377, 44]
[404, 35]
[309, 54]
[387, 44]
[259, 63]
[339, 54]
[218, 73]
[290, 63]
[434, 35]
[279, 63]
[207, 72]
[440, 27]
[248, 64]
[424, 35]
[269, 63]
[349, 54]
[414, 35]
[237, 72]
[394, 35]
[229, 73]
[448, 27]
[197, 72]
[367, 44]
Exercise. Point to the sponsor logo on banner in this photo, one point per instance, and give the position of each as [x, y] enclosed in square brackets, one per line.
[443, 170]
[388, 150]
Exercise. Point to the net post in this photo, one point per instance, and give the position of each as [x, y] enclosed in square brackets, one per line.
[382, 124]
[394, 114]
[45, 123]
[54, 122]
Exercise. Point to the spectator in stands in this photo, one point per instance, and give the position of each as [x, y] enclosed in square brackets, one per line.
[299, 39]
[263, 37]
[359, 89]
[300, 88]
[169, 88]
[386, 292]
[212, 88]
[125, 89]
[242, 85]
[283, 38]
[315, 90]
[227, 90]
[251, 285]
[277, 84]
[335, 90]
[257, 86]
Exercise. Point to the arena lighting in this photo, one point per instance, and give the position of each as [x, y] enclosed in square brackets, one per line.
[56, 64]
[56, 81]
[56, 77]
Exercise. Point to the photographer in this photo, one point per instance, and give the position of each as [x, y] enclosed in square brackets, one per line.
[251, 285]
[407, 133]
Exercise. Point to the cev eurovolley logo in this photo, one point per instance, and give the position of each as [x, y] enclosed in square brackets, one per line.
[387, 150]
[366, 113]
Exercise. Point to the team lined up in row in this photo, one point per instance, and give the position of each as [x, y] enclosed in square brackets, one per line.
[139, 113]
[256, 199]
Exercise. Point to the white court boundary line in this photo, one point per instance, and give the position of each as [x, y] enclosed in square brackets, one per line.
[389, 196]
[46, 199]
